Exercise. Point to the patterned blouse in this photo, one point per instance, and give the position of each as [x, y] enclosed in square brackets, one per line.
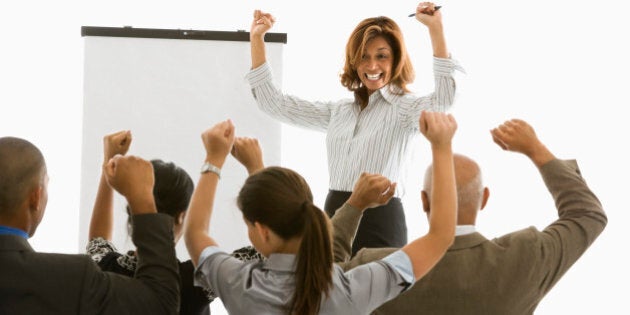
[194, 300]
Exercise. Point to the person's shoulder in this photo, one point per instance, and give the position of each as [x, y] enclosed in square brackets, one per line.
[523, 237]
[61, 258]
[60, 267]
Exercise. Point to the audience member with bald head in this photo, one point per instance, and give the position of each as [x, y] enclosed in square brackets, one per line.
[471, 194]
[23, 185]
[509, 274]
[46, 283]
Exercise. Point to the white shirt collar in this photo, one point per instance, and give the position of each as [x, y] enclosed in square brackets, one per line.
[464, 230]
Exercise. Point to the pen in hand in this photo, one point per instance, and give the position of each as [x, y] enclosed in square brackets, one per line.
[437, 7]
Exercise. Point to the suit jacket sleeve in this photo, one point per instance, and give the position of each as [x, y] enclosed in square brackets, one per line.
[581, 219]
[155, 287]
[345, 223]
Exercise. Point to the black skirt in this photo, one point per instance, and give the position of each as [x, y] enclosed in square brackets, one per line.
[384, 226]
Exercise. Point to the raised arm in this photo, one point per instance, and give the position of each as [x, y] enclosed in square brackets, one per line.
[155, 289]
[260, 25]
[102, 221]
[426, 251]
[248, 152]
[370, 190]
[518, 136]
[218, 142]
[443, 96]
[581, 217]
[427, 15]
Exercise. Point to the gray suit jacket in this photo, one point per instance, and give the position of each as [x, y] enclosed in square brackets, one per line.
[43, 283]
[506, 275]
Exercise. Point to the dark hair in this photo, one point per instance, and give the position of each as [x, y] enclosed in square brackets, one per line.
[282, 200]
[365, 31]
[172, 190]
[22, 166]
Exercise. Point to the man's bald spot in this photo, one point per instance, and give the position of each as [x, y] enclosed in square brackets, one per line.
[22, 167]
[468, 180]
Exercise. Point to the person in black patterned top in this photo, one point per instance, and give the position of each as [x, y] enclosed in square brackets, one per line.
[172, 191]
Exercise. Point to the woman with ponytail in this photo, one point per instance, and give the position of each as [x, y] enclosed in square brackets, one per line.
[298, 275]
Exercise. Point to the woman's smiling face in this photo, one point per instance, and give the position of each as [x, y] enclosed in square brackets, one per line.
[374, 68]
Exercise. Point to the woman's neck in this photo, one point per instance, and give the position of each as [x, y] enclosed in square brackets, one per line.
[291, 246]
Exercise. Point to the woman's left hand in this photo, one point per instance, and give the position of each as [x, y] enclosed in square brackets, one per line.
[218, 142]
[428, 15]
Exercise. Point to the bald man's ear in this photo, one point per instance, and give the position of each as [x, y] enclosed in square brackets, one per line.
[426, 205]
[34, 197]
[484, 200]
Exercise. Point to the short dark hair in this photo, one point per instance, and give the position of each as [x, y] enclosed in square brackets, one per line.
[172, 190]
[22, 166]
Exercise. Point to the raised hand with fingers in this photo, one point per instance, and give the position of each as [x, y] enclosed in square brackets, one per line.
[116, 143]
[133, 178]
[371, 190]
[261, 23]
[516, 135]
[427, 14]
[248, 152]
[437, 127]
[218, 142]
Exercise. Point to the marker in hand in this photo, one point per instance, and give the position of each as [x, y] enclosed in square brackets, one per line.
[437, 7]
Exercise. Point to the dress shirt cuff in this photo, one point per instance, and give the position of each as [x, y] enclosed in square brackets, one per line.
[259, 75]
[401, 263]
[446, 66]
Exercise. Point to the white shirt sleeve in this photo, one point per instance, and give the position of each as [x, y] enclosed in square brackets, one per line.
[442, 98]
[286, 108]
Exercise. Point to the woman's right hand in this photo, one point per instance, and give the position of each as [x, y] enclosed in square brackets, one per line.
[261, 24]
[437, 127]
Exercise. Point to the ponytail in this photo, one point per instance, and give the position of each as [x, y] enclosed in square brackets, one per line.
[281, 199]
[313, 274]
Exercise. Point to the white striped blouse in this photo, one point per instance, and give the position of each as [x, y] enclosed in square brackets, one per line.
[376, 139]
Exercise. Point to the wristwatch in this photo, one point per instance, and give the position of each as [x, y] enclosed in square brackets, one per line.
[209, 167]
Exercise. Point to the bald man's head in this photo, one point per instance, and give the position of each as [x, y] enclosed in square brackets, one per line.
[471, 194]
[22, 169]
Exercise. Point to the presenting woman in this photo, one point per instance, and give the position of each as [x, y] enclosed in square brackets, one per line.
[373, 131]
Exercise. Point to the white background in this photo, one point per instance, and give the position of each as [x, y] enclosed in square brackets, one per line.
[167, 92]
[559, 65]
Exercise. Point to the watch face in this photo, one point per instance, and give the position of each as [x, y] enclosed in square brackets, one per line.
[207, 167]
